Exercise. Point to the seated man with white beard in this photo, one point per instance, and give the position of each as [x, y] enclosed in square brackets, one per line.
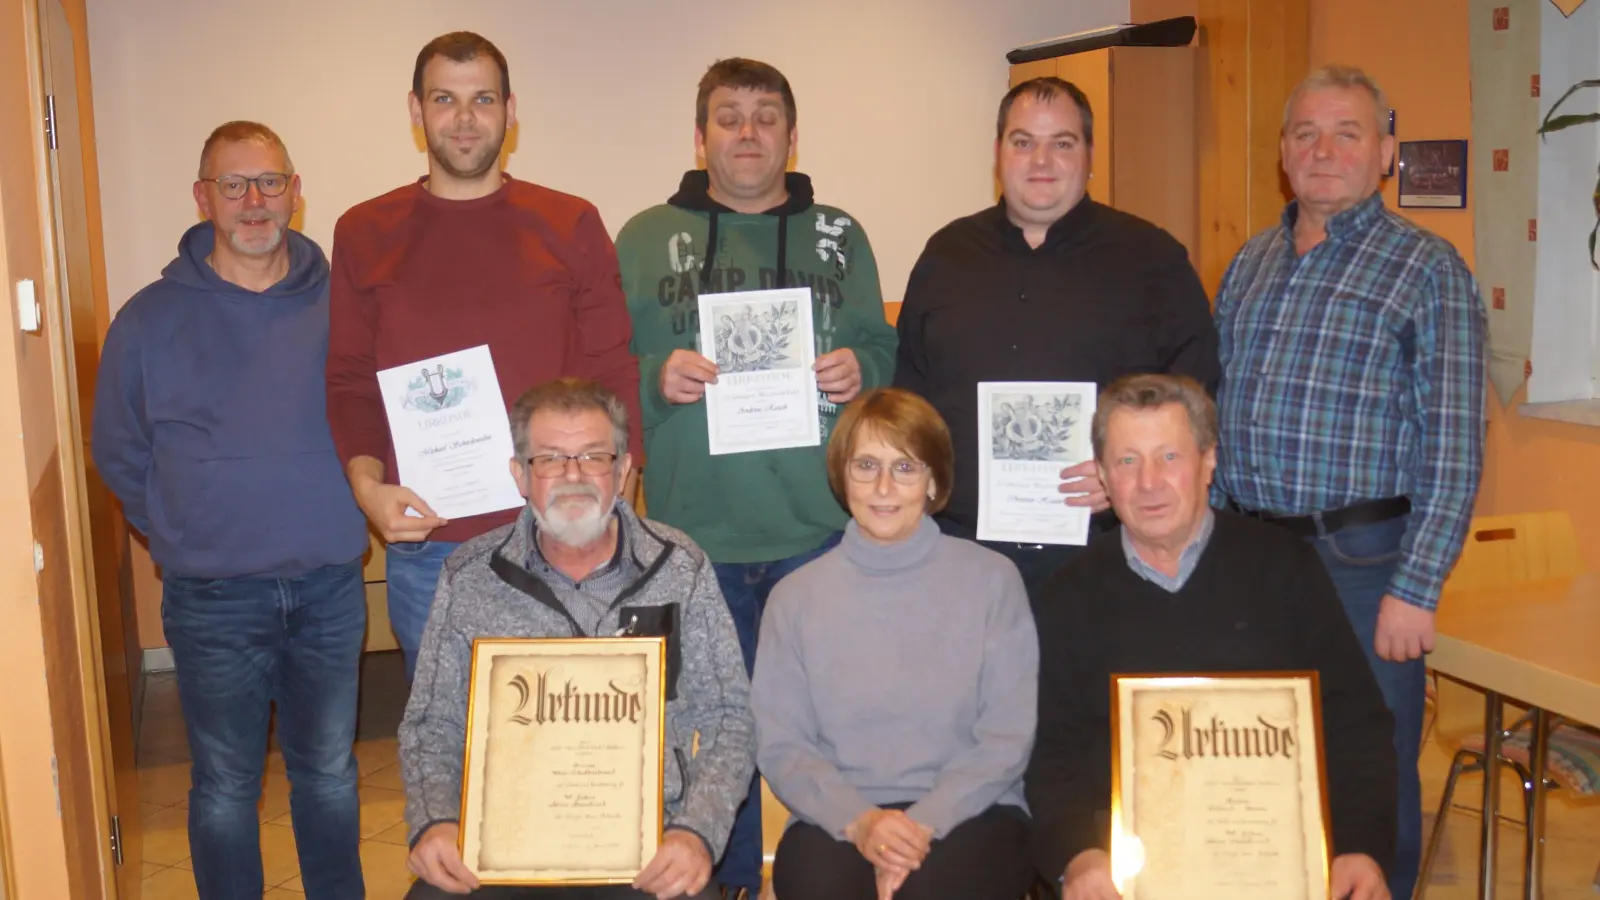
[580, 563]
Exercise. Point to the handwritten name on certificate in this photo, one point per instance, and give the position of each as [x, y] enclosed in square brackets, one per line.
[1220, 781]
[448, 423]
[764, 346]
[1028, 431]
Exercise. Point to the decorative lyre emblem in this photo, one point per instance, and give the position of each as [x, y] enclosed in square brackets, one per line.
[436, 386]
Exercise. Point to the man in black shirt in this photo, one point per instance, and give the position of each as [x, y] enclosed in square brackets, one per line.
[1047, 285]
[1180, 588]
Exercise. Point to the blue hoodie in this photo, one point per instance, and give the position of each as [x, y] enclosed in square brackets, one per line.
[210, 420]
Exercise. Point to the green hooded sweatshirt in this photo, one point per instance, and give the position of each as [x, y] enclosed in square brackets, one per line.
[769, 505]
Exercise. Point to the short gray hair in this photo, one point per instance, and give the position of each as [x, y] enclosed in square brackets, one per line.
[1348, 77]
[241, 132]
[569, 395]
[1139, 392]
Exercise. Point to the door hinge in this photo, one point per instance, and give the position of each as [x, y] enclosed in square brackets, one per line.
[50, 119]
[116, 840]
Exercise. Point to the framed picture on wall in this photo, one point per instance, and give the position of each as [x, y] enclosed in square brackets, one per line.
[1433, 174]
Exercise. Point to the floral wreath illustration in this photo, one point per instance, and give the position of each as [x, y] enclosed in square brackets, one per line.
[437, 388]
[1034, 428]
[750, 341]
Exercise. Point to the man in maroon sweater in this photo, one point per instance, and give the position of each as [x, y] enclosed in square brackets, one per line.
[467, 256]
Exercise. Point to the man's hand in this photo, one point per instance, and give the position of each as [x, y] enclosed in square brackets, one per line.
[680, 868]
[888, 838]
[889, 880]
[1404, 632]
[436, 860]
[839, 375]
[1088, 877]
[1081, 484]
[684, 376]
[385, 504]
[1356, 876]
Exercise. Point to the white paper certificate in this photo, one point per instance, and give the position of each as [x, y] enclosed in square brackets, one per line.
[1028, 431]
[763, 344]
[451, 441]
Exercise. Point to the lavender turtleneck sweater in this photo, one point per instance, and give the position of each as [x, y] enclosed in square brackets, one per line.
[897, 673]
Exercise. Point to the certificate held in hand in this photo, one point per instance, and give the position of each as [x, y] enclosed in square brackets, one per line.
[1218, 782]
[562, 782]
[452, 443]
[764, 346]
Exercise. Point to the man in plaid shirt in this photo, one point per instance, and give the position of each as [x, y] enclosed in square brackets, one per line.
[1352, 346]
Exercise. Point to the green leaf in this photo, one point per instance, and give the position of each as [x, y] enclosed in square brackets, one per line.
[1567, 121]
[1586, 83]
[1592, 232]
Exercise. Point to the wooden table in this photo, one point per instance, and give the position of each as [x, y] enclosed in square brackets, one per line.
[1538, 643]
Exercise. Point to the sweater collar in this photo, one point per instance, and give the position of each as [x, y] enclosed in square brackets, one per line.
[873, 556]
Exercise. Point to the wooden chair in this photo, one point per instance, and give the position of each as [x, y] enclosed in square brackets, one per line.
[1503, 551]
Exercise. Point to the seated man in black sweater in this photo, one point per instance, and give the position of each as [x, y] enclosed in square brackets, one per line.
[1181, 588]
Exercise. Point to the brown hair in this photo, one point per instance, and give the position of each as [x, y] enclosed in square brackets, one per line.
[238, 132]
[738, 72]
[461, 46]
[1044, 89]
[902, 420]
[568, 395]
[1138, 392]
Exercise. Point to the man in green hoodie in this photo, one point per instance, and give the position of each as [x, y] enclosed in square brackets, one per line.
[742, 223]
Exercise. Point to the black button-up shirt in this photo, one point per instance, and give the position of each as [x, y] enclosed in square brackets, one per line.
[1107, 294]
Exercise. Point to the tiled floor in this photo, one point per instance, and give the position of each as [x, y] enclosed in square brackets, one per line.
[1572, 854]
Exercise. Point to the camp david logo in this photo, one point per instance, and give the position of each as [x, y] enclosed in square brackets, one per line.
[438, 389]
[680, 252]
[830, 246]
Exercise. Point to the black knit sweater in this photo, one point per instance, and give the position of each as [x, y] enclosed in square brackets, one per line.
[1259, 600]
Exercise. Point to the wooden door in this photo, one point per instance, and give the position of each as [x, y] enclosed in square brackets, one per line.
[93, 639]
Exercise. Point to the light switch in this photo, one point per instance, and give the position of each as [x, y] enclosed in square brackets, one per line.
[28, 318]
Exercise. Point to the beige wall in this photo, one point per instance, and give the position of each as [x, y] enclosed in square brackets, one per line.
[896, 108]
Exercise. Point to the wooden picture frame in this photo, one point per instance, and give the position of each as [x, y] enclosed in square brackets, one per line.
[562, 778]
[1219, 781]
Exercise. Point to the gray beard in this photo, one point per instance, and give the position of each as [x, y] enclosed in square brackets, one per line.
[579, 531]
[272, 244]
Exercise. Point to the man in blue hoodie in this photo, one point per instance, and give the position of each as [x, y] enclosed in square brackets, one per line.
[210, 427]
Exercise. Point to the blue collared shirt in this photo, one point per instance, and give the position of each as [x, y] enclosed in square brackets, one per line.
[1187, 560]
[1355, 372]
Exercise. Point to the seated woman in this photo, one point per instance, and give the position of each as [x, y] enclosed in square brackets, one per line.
[895, 685]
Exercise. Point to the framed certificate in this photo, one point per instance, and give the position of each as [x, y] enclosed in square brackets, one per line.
[1219, 779]
[562, 779]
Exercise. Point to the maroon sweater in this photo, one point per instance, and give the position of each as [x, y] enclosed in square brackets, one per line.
[527, 270]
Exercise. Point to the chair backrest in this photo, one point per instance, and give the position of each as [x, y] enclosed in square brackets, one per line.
[1515, 549]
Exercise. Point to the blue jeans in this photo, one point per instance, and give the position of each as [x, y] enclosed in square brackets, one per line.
[412, 573]
[241, 644]
[1362, 560]
[745, 587]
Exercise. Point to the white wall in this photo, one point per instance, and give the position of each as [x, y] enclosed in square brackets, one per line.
[896, 100]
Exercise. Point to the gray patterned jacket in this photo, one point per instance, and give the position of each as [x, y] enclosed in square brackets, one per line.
[486, 591]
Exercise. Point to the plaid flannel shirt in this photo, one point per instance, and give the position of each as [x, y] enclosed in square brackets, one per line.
[1352, 373]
